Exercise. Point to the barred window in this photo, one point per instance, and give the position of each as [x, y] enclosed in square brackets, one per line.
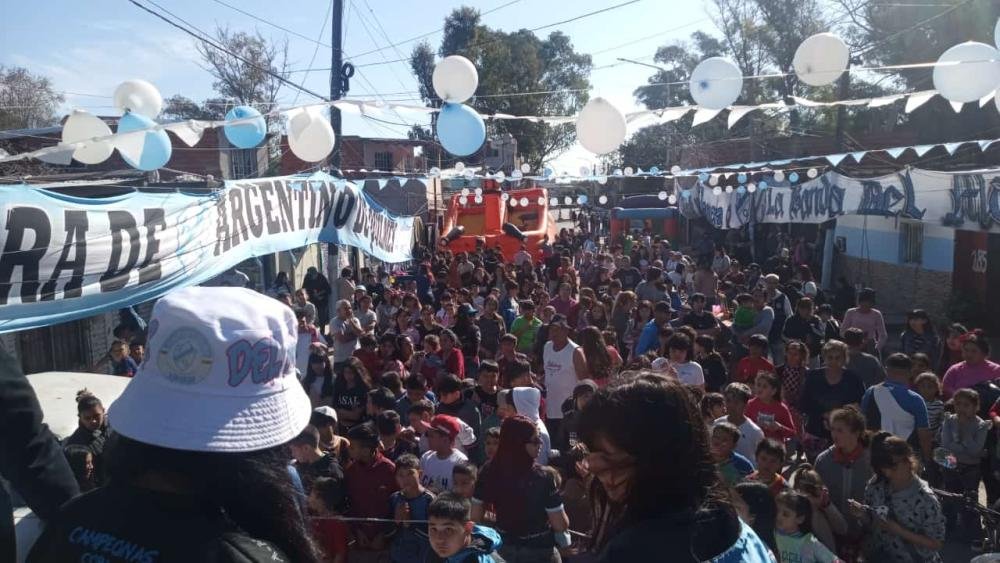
[383, 161]
[911, 242]
[242, 163]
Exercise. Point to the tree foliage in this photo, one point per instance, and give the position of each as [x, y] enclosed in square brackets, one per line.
[512, 66]
[26, 100]
[245, 79]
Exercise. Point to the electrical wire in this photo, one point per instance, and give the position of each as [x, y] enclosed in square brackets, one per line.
[274, 25]
[322, 31]
[215, 45]
[429, 33]
[534, 29]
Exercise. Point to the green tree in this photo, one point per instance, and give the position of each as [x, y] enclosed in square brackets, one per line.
[178, 108]
[512, 67]
[26, 100]
[884, 34]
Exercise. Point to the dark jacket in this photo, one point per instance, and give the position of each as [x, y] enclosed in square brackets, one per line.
[30, 456]
[686, 536]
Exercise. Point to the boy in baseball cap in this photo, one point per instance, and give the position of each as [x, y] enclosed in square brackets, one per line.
[439, 461]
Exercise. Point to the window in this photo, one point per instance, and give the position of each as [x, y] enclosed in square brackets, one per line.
[383, 161]
[911, 242]
[242, 163]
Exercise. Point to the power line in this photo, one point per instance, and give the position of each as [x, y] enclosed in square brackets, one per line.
[211, 43]
[534, 29]
[429, 33]
[322, 31]
[272, 24]
[368, 31]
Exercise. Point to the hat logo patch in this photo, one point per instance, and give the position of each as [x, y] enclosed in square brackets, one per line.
[263, 361]
[186, 357]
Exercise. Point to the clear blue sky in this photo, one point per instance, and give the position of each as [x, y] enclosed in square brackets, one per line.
[88, 47]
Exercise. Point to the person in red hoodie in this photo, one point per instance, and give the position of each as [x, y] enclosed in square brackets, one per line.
[755, 362]
[768, 410]
[371, 480]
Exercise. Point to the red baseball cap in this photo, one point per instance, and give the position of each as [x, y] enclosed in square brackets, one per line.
[446, 424]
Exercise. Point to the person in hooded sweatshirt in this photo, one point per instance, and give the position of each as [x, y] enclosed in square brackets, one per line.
[525, 401]
[525, 497]
[453, 535]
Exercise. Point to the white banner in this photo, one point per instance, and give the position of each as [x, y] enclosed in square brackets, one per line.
[961, 200]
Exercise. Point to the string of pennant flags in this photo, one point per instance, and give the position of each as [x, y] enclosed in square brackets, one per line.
[191, 131]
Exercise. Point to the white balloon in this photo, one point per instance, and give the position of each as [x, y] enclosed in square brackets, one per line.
[504, 196]
[82, 126]
[713, 180]
[554, 201]
[812, 172]
[672, 199]
[513, 202]
[751, 187]
[464, 200]
[662, 195]
[500, 176]
[600, 127]
[465, 192]
[479, 198]
[779, 176]
[516, 175]
[969, 81]
[310, 135]
[821, 59]
[541, 200]
[604, 179]
[629, 171]
[568, 200]
[584, 171]
[434, 172]
[675, 170]
[138, 96]
[525, 168]
[455, 79]
[479, 191]
[524, 202]
[717, 190]
[716, 83]
[603, 200]
[459, 167]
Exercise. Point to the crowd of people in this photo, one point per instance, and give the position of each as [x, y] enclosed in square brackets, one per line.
[596, 400]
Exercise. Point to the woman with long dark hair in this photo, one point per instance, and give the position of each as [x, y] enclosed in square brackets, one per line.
[350, 394]
[976, 366]
[646, 505]
[526, 499]
[319, 369]
[598, 360]
[198, 464]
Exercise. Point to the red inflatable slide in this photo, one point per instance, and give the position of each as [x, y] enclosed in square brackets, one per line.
[497, 223]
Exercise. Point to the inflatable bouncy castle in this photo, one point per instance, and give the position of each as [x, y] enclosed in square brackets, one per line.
[496, 223]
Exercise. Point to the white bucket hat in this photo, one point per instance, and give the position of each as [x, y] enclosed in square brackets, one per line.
[218, 376]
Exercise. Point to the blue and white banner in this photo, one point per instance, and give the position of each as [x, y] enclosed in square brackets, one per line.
[66, 257]
[960, 200]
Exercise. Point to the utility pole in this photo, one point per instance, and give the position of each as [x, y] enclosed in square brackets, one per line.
[340, 74]
[336, 78]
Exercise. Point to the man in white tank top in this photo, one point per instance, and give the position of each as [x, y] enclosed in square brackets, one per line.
[565, 365]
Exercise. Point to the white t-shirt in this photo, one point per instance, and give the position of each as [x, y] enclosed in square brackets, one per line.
[750, 436]
[560, 377]
[342, 351]
[366, 318]
[690, 373]
[437, 471]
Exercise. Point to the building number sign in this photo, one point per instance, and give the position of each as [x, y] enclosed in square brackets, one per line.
[979, 261]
